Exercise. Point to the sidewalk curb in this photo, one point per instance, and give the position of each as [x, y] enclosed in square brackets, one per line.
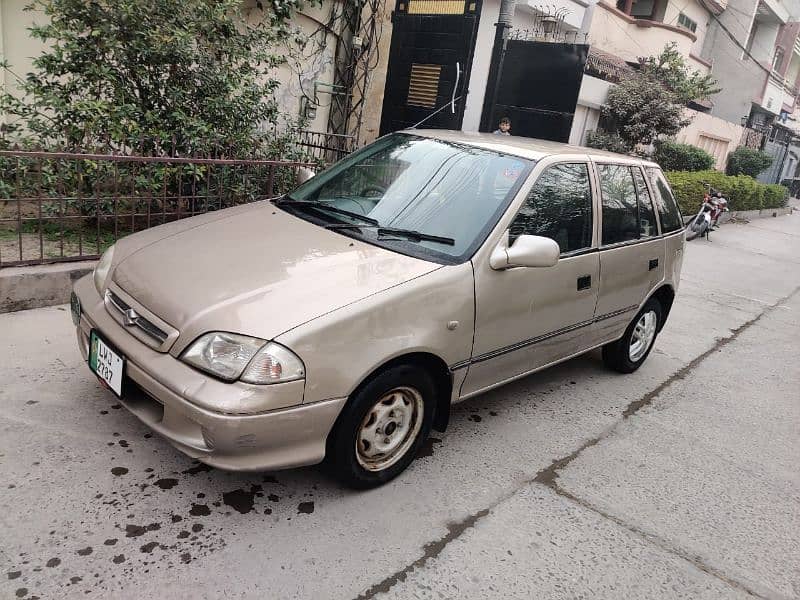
[22, 288]
[748, 215]
[756, 214]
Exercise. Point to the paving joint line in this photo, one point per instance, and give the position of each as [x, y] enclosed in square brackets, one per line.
[548, 476]
[695, 561]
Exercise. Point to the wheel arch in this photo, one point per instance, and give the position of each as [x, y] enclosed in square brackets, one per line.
[665, 294]
[436, 368]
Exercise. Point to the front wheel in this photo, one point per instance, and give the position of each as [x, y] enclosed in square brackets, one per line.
[382, 427]
[629, 352]
[696, 228]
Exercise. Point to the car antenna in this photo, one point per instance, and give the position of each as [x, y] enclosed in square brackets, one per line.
[450, 103]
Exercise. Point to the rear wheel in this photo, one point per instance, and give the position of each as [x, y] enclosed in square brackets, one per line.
[382, 427]
[629, 352]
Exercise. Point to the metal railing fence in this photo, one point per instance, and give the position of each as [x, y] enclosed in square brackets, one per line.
[62, 206]
[326, 147]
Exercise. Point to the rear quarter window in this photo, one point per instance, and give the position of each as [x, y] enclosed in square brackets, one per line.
[667, 207]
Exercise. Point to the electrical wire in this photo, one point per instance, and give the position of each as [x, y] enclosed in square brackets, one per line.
[739, 44]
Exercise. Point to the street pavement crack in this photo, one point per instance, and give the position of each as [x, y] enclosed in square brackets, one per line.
[431, 550]
[548, 477]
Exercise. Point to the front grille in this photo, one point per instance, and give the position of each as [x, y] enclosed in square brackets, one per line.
[128, 317]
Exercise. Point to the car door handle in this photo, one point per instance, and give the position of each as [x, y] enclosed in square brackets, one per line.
[584, 282]
[653, 264]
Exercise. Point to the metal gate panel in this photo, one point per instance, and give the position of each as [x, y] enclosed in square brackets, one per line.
[429, 63]
[537, 88]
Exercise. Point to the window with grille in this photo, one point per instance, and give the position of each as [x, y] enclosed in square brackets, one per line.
[687, 23]
[436, 7]
[424, 85]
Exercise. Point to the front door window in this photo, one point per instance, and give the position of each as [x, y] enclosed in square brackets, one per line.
[559, 207]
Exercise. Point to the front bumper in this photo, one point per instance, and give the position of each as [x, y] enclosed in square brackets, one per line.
[170, 397]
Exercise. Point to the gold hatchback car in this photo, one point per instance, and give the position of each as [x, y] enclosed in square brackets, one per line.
[340, 322]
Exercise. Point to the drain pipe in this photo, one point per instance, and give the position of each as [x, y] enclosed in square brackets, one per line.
[506, 15]
[502, 28]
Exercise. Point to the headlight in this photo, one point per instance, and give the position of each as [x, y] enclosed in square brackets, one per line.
[230, 356]
[101, 270]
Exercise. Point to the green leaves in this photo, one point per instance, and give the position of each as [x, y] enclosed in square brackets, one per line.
[747, 161]
[670, 69]
[192, 75]
[673, 156]
[742, 192]
[606, 141]
[650, 104]
[641, 110]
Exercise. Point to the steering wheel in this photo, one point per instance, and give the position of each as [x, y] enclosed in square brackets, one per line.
[367, 191]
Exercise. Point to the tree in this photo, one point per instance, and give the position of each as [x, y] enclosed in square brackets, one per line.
[606, 141]
[153, 74]
[746, 161]
[649, 105]
[671, 70]
[641, 110]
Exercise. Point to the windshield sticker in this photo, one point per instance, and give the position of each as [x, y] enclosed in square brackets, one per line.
[513, 171]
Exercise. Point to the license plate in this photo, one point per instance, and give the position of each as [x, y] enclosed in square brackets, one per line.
[106, 363]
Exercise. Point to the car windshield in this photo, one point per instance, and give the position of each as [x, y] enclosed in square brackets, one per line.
[413, 194]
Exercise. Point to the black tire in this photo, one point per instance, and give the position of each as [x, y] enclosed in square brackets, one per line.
[342, 457]
[696, 228]
[616, 355]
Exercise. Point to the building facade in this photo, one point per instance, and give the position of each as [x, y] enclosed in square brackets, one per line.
[387, 64]
[755, 51]
[621, 33]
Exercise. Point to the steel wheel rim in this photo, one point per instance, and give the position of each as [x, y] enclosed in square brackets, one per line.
[389, 428]
[644, 332]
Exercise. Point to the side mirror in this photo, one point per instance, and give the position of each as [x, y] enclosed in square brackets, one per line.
[526, 251]
[304, 174]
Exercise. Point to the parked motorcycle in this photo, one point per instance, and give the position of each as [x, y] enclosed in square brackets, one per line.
[714, 204]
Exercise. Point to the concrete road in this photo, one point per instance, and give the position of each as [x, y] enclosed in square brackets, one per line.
[679, 481]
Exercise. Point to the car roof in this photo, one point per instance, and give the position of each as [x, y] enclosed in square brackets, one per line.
[524, 147]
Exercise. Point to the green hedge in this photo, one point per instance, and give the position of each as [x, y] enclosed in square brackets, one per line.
[747, 161]
[742, 192]
[673, 156]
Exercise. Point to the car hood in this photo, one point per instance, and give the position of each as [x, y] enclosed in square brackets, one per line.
[255, 270]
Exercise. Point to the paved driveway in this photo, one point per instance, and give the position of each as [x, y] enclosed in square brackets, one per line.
[680, 480]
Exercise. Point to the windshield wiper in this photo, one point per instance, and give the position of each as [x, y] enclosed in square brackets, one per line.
[409, 234]
[416, 236]
[326, 207]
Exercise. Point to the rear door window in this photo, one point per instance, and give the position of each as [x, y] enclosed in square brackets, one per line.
[667, 207]
[620, 210]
